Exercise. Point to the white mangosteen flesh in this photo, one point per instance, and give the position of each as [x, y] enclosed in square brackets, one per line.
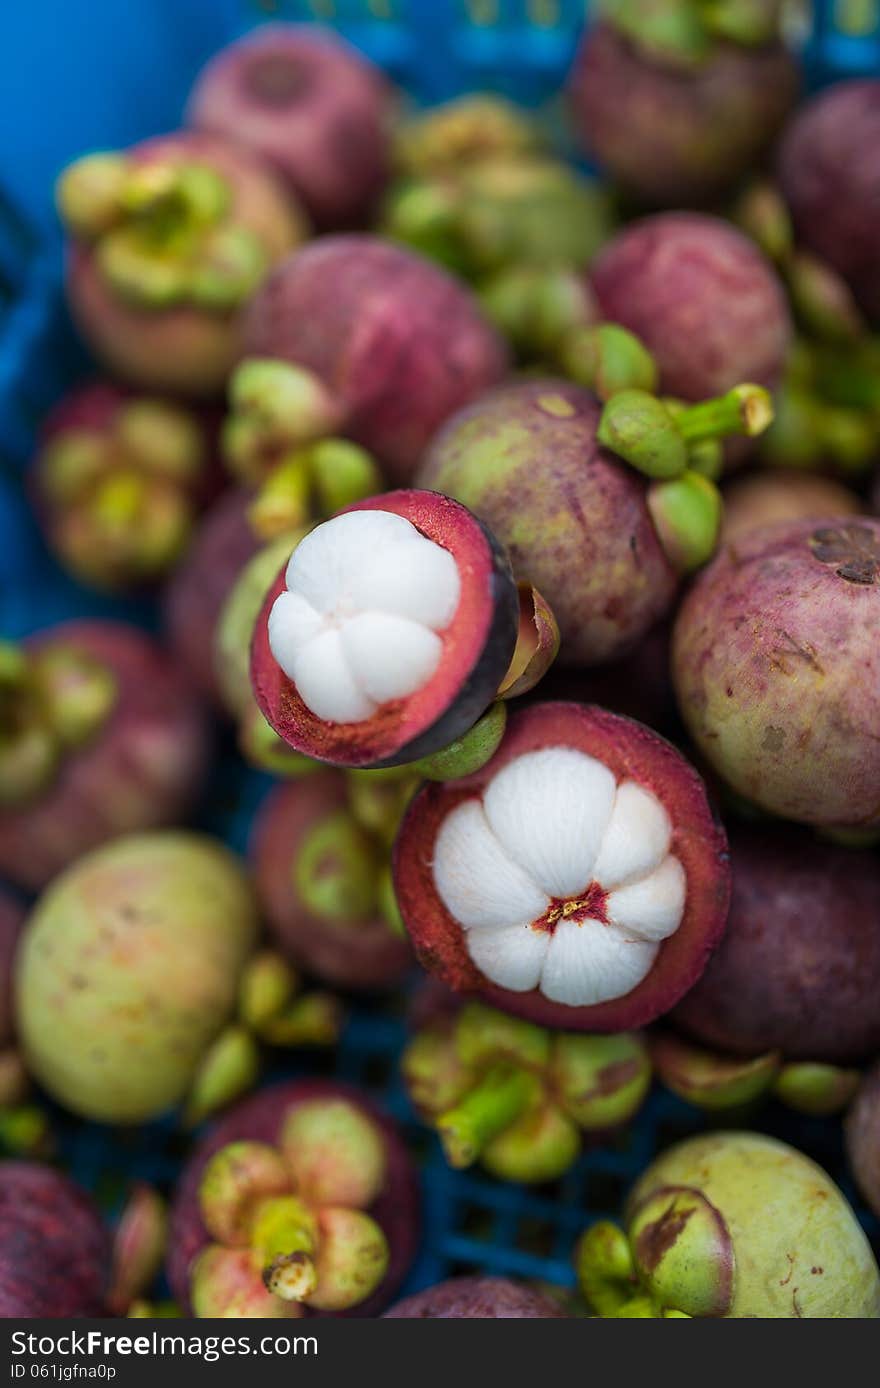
[357, 627]
[561, 877]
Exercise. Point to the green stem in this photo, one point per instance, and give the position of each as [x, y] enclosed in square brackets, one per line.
[747, 409]
[502, 1095]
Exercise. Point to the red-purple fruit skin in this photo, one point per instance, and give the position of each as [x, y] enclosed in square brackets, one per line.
[401, 343]
[182, 348]
[798, 968]
[11, 921]
[862, 1128]
[776, 665]
[574, 519]
[631, 752]
[141, 770]
[829, 171]
[259, 1119]
[54, 1249]
[477, 1298]
[197, 590]
[360, 954]
[702, 298]
[310, 106]
[673, 136]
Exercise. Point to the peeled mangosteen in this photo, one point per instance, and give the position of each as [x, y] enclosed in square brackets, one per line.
[388, 634]
[54, 1249]
[128, 972]
[477, 1298]
[829, 163]
[100, 735]
[300, 1201]
[310, 106]
[319, 875]
[777, 669]
[731, 1225]
[863, 1138]
[389, 344]
[701, 297]
[575, 519]
[578, 880]
[168, 242]
[118, 482]
[798, 969]
[678, 119]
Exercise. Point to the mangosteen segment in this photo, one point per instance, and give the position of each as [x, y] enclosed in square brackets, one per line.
[561, 877]
[388, 634]
[578, 879]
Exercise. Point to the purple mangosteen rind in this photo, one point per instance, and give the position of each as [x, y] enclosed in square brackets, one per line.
[481, 637]
[12, 917]
[698, 840]
[54, 1248]
[259, 1119]
[361, 954]
[477, 1298]
[862, 1130]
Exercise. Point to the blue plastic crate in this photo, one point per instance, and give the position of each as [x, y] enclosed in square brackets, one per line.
[97, 73]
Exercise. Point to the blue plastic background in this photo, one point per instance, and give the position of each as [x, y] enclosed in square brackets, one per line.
[82, 74]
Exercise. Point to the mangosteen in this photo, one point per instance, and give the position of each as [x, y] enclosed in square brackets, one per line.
[100, 735]
[320, 875]
[388, 634]
[467, 130]
[517, 1098]
[701, 297]
[828, 168]
[731, 1225]
[798, 969]
[300, 1201]
[168, 242]
[379, 345]
[578, 880]
[863, 1138]
[769, 496]
[128, 975]
[310, 106]
[777, 669]
[477, 1298]
[675, 106]
[118, 482]
[54, 1249]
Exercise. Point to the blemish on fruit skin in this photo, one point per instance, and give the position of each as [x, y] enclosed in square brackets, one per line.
[556, 405]
[655, 1240]
[773, 740]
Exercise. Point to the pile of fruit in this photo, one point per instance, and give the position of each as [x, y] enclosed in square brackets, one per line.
[522, 526]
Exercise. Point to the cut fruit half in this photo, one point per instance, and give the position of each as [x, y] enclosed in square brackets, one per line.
[579, 879]
[387, 634]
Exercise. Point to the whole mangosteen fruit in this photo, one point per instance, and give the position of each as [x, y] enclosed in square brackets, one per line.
[769, 496]
[578, 880]
[798, 968]
[128, 972]
[777, 669]
[477, 1298]
[100, 735]
[732, 1225]
[829, 165]
[388, 634]
[308, 105]
[302, 1200]
[384, 345]
[676, 118]
[54, 1249]
[168, 242]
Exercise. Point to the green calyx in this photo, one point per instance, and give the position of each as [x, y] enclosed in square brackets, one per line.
[687, 513]
[272, 1005]
[52, 702]
[606, 359]
[139, 1244]
[290, 1221]
[685, 32]
[713, 1082]
[816, 1089]
[162, 232]
[674, 1260]
[378, 798]
[122, 501]
[517, 1098]
[465, 131]
[657, 437]
[810, 432]
[25, 1131]
[538, 308]
[469, 752]
[276, 408]
[229, 1068]
[301, 484]
[336, 870]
